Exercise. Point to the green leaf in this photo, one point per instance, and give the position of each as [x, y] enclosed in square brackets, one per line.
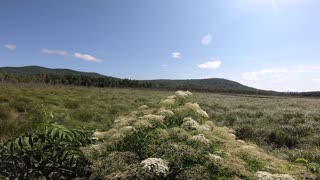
[53, 132]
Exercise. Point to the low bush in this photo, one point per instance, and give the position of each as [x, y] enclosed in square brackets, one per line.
[53, 154]
[22, 104]
[171, 151]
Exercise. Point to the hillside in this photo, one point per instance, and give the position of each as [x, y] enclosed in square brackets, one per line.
[212, 84]
[37, 74]
[33, 70]
[42, 74]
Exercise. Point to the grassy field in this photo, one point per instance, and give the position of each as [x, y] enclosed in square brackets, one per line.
[286, 127]
[94, 108]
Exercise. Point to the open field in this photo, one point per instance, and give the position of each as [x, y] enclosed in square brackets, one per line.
[92, 108]
[285, 127]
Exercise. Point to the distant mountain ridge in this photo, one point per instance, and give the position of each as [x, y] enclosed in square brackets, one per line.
[213, 84]
[31, 70]
[38, 74]
[217, 83]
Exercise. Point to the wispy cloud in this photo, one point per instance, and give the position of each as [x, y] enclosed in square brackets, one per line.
[279, 73]
[176, 55]
[291, 78]
[54, 52]
[164, 65]
[10, 46]
[206, 40]
[211, 65]
[275, 6]
[86, 57]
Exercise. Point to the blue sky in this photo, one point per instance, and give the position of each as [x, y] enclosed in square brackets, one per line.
[268, 44]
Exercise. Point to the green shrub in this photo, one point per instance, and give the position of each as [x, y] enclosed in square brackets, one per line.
[8, 128]
[253, 163]
[314, 167]
[280, 139]
[22, 104]
[53, 154]
[39, 116]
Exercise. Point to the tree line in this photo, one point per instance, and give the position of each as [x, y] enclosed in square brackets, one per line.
[103, 81]
[73, 79]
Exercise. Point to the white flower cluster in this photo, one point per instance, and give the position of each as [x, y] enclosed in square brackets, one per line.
[116, 137]
[121, 121]
[183, 94]
[192, 106]
[215, 158]
[189, 124]
[196, 108]
[127, 129]
[142, 124]
[165, 112]
[171, 97]
[168, 102]
[261, 175]
[204, 127]
[99, 135]
[150, 117]
[156, 165]
[96, 147]
[201, 138]
[143, 107]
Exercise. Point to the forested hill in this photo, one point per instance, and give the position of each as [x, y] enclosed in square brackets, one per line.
[33, 70]
[212, 84]
[37, 74]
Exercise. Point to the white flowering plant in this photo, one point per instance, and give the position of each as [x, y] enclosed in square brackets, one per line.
[175, 141]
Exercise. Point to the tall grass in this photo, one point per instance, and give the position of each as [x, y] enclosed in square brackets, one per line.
[286, 126]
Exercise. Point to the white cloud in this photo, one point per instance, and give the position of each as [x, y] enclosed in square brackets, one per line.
[317, 80]
[251, 76]
[211, 65]
[206, 40]
[86, 57]
[164, 65]
[292, 78]
[252, 58]
[275, 5]
[10, 46]
[279, 72]
[52, 52]
[176, 55]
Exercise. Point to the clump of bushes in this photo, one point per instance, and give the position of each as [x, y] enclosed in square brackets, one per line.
[22, 104]
[173, 143]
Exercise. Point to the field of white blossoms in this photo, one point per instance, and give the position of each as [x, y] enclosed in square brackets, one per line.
[179, 141]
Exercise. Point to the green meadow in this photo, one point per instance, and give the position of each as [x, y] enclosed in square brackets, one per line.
[283, 129]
